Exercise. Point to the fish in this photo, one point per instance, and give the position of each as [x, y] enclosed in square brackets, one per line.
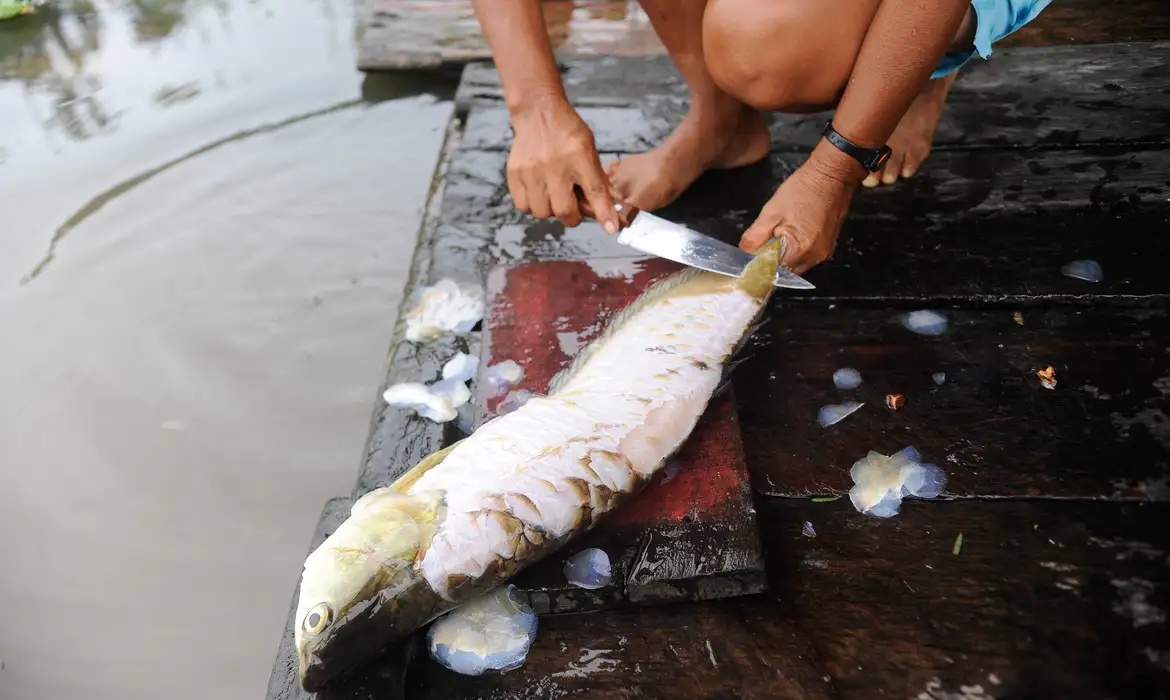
[472, 515]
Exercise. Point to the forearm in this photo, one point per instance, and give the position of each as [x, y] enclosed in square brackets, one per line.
[904, 44]
[518, 39]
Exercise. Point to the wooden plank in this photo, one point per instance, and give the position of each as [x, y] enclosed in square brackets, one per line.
[938, 238]
[953, 186]
[1044, 599]
[398, 437]
[405, 34]
[1102, 433]
[410, 34]
[1022, 98]
[688, 536]
[1052, 599]
[383, 680]
[735, 648]
[1082, 22]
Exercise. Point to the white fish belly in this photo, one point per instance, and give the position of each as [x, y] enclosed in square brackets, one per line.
[548, 469]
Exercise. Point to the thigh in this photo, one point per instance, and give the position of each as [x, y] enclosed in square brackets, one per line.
[794, 55]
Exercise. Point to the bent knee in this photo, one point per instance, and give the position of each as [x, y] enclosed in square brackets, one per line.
[790, 56]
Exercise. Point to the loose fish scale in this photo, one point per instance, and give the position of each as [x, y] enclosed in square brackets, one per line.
[550, 468]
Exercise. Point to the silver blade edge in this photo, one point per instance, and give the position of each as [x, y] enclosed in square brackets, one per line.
[666, 239]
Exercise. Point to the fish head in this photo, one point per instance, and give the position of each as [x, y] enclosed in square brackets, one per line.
[361, 589]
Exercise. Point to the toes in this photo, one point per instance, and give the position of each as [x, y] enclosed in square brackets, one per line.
[902, 164]
[911, 164]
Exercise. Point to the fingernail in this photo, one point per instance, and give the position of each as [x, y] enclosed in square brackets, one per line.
[869, 181]
[610, 227]
[907, 173]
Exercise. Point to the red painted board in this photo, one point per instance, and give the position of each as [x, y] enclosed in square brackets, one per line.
[689, 536]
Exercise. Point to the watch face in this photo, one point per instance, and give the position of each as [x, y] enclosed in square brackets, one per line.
[881, 160]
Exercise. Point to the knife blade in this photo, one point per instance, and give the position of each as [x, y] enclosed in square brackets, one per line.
[666, 239]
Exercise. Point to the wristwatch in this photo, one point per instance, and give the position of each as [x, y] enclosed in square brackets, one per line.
[872, 159]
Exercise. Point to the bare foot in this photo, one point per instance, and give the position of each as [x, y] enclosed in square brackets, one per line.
[911, 141]
[653, 179]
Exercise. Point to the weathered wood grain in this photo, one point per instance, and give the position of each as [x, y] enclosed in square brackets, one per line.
[1082, 22]
[1043, 599]
[951, 187]
[1053, 599]
[688, 536]
[1059, 96]
[434, 34]
[1102, 433]
[735, 648]
[986, 227]
[406, 34]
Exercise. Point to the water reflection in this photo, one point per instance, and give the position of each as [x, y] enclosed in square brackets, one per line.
[228, 208]
[47, 51]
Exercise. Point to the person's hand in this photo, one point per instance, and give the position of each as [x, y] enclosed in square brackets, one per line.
[552, 153]
[808, 210]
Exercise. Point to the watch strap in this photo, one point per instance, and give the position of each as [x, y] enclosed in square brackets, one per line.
[872, 159]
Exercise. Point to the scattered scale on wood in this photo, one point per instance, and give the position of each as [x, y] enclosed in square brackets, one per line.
[1104, 433]
[1047, 599]
[689, 537]
[427, 34]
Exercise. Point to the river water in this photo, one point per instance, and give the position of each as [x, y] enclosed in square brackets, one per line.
[206, 218]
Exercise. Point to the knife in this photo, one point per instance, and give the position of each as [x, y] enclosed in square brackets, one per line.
[657, 236]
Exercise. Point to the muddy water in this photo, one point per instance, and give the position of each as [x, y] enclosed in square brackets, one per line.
[206, 216]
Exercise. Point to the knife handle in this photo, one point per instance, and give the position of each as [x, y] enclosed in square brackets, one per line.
[625, 211]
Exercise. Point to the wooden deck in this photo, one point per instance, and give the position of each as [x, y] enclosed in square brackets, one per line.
[1060, 587]
[433, 34]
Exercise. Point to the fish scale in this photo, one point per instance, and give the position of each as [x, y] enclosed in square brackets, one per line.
[470, 516]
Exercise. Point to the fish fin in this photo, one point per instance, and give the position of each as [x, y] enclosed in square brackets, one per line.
[736, 363]
[403, 483]
[559, 379]
[651, 296]
[722, 388]
[760, 273]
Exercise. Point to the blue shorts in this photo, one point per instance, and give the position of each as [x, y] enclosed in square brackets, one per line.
[994, 19]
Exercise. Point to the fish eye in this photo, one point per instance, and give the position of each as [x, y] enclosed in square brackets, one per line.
[319, 617]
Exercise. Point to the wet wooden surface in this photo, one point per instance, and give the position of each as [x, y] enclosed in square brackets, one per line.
[1061, 587]
[1102, 433]
[1001, 223]
[691, 534]
[885, 608]
[1060, 96]
[412, 34]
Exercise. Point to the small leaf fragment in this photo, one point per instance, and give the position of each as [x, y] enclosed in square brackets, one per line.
[958, 544]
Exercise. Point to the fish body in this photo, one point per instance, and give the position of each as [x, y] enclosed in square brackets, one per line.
[472, 515]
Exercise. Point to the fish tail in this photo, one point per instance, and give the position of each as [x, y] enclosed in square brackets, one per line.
[761, 273]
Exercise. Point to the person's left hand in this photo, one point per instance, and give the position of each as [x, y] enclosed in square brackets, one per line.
[808, 210]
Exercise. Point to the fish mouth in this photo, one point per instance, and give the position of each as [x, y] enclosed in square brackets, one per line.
[317, 674]
[314, 672]
[312, 675]
[372, 633]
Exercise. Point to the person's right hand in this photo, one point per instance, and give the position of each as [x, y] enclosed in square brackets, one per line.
[553, 152]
